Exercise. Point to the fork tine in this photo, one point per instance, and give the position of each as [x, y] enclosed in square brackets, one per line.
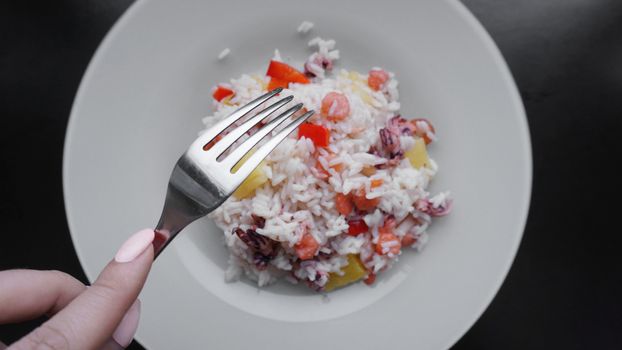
[232, 159]
[211, 134]
[253, 161]
[236, 133]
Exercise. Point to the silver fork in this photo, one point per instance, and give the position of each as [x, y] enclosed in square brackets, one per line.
[202, 180]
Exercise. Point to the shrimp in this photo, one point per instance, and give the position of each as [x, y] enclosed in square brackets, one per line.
[377, 78]
[335, 106]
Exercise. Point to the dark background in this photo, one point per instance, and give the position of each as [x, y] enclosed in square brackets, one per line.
[564, 290]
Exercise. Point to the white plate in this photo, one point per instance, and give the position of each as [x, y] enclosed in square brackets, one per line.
[140, 105]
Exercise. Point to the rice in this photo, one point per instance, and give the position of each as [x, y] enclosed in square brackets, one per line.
[224, 53]
[318, 208]
[305, 27]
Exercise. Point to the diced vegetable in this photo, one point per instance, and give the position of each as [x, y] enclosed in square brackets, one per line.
[369, 170]
[356, 227]
[364, 95]
[388, 243]
[306, 247]
[277, 83]
[362, 202]
[358, 86]
[255, 180]
[354, 271]
[337, 167]
[376, 183]
[418, 155]
[221, 92]
[388, 225]
[370, 279]
[285, 72]
[423, 129]
[344, 204]
[321, 169]
[335, 106]
[408, 240]
[227, 100]
[356, 77]
[377, 78]
[319, 134]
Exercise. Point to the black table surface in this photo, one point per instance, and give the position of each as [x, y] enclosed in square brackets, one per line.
[564, 290]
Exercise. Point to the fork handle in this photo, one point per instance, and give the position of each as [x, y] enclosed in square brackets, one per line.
[179, 211]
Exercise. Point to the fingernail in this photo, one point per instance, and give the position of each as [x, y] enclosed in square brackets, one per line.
[127, 328]
[134, 246]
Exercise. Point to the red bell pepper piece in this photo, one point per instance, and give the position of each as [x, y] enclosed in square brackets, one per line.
[222, 92]
[356, 227]
[285, 72]
[371, 278]
[277, 83]
[362, 203]
[319, 134]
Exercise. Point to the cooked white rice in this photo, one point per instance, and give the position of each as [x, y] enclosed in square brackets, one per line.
[297, 199]
[305, 27]
[224, 53]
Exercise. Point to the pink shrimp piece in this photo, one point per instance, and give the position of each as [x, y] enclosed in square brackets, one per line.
[377, 78]
[335, 106]
[424, 129]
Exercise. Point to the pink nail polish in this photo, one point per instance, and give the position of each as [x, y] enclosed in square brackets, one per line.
[124, 333]
[134, 246]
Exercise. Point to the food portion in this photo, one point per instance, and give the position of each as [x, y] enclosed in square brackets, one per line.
[343, 197]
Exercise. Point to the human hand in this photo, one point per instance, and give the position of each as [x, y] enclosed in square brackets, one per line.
[102, 316]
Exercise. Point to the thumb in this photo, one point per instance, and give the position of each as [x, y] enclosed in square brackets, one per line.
[91, 318]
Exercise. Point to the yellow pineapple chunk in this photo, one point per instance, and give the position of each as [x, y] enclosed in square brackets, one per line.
[356, 77]
[253, 181]
[364, 95]
[358, 86]
[352, 272]
[418, 155]
[227, 101]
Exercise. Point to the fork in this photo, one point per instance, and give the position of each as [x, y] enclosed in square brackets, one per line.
[203, 179]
